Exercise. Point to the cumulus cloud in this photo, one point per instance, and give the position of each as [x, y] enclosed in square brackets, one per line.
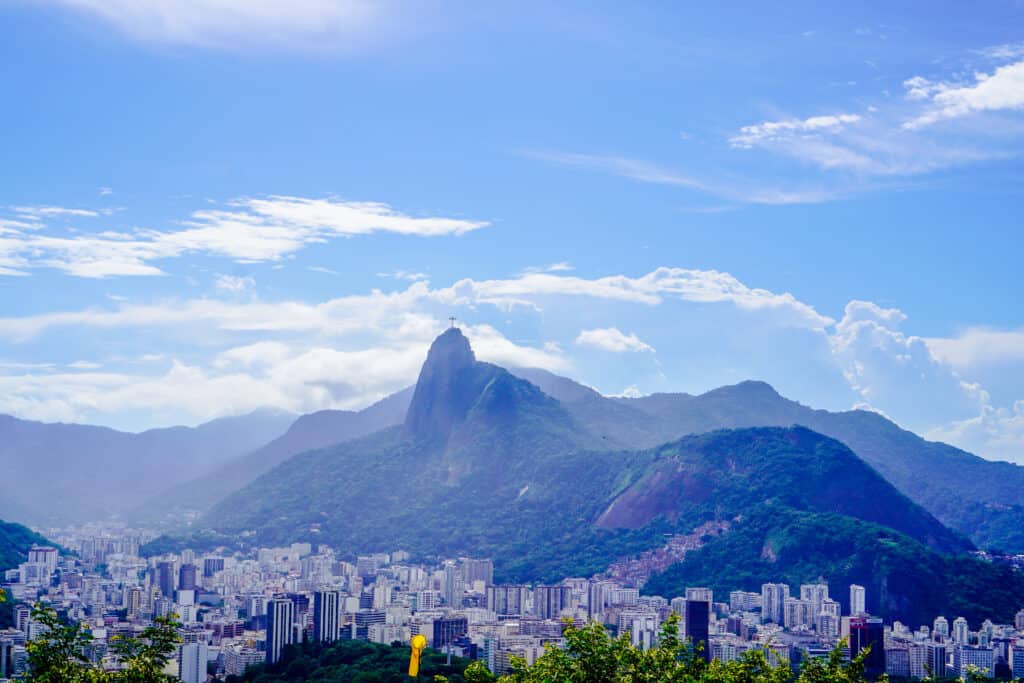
[1003, 89]
[978, 347]
[890, 369]
[247, 231]
[612, 339]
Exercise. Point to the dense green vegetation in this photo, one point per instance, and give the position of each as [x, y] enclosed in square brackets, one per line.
[591, 656]
[58, 655]
[15, 540]
[904, 579]
[351, 661]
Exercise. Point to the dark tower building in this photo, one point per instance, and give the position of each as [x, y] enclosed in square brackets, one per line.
[698, 624]
[165, 578]
[326, 616]
[187, 577]
[446, 631]
[280, 627]
[869, 632]
[212, 565]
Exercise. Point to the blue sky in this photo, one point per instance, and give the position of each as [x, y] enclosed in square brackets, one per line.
[210, 206]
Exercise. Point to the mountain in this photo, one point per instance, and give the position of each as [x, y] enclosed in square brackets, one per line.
[58, 473]
[487, 464]
[979, 498]
[724, 474]
[308, 432]
[459, 464]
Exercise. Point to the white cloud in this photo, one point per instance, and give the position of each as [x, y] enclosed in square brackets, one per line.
[705, 286]
[41, 212]
[106, 191]
[292, 376]
[978, 347]
[1005, 52]
[299, 24]
[249, 230]
[377, 309]
[612, 339]
[492, 346]
[84, 365]
[750, 136]
[234, 283]
[1003, 89]
[996, 432]
[560, 267]
[647, 172]
[411, 276]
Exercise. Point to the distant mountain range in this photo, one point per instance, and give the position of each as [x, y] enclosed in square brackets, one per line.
[62, 473]
[315, 430]
[980, 498]
[489, 463]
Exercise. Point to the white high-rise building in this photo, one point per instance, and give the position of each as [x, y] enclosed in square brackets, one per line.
[796, 613]
[192, 667]
[815, 594]
[858, 602]
[773, 602]
[940, 629]
[981, 658]
[961, 633]
[44, 556]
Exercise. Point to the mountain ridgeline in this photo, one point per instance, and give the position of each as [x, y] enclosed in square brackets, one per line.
[488, 463]
[80, 460]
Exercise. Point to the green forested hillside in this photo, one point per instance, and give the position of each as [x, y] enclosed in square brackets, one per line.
[15, 540]
[904, 579]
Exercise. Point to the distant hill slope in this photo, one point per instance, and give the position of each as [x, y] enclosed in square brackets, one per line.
[53, 472]
[15, 541]
[726, 473]
[904, 579]
[308, 432]
[487, 464]
[980, 498]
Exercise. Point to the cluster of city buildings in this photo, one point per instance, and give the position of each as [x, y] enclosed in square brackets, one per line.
[238, 610]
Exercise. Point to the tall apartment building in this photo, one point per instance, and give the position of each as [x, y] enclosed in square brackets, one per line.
[280, 627]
